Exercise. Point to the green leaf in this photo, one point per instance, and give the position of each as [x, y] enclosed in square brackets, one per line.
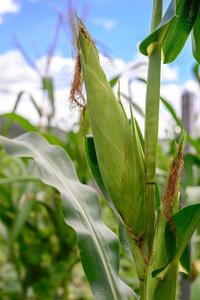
[196, 72]
[99, 248]
[25, 206]
[196, 38]
[25, 124]
[141, 138]
[19, 97]
[195, 291]
[186, 221]
[32, 100]
[48, 86]
[173, 30]
[64, 233]
[114, 81]
[23, 178]
[159, 33]
[95, 171]
[185, 259]
[134, 297]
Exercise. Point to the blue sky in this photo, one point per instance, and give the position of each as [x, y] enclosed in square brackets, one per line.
[118, 24]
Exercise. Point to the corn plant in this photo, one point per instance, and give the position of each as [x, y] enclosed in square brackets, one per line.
[154, 231]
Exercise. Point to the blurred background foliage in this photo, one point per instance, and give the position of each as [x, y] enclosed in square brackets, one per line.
[39, 256]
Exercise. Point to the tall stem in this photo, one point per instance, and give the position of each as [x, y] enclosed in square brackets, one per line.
[151, 133]
[156, 14]
[151, 121]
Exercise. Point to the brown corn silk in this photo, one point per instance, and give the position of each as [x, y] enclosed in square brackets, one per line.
[76, 97]
[172, 187]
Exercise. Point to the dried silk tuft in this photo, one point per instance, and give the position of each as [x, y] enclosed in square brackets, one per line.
[76, 97]
[172, 187]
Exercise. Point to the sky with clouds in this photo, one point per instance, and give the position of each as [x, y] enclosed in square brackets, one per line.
[118, 26]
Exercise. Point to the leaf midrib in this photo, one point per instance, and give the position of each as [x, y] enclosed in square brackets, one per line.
[101, 252]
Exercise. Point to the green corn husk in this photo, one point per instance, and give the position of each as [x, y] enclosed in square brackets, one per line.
[118, 149]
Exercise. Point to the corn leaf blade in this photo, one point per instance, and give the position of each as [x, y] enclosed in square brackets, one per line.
[185, 259]
[157, 35]
[196, 38]
[173, 30]
[23, 212]
[113, 81]
[196, 72]
[186, 221]
[99, 248]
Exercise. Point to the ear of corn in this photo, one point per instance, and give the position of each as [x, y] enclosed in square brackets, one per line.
[117, 145]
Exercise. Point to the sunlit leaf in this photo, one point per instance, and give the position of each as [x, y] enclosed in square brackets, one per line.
[185, 259]
[114, 81]
[196, 72]
[25, 205]
[196, 38]
[173, 29]
[99, 248]
[186, 221]
[27, 126]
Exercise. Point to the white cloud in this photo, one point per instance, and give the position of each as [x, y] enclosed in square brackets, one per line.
[59, 66]
[105, 23]
[168, 73]
[8, 6]
[18, 76]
